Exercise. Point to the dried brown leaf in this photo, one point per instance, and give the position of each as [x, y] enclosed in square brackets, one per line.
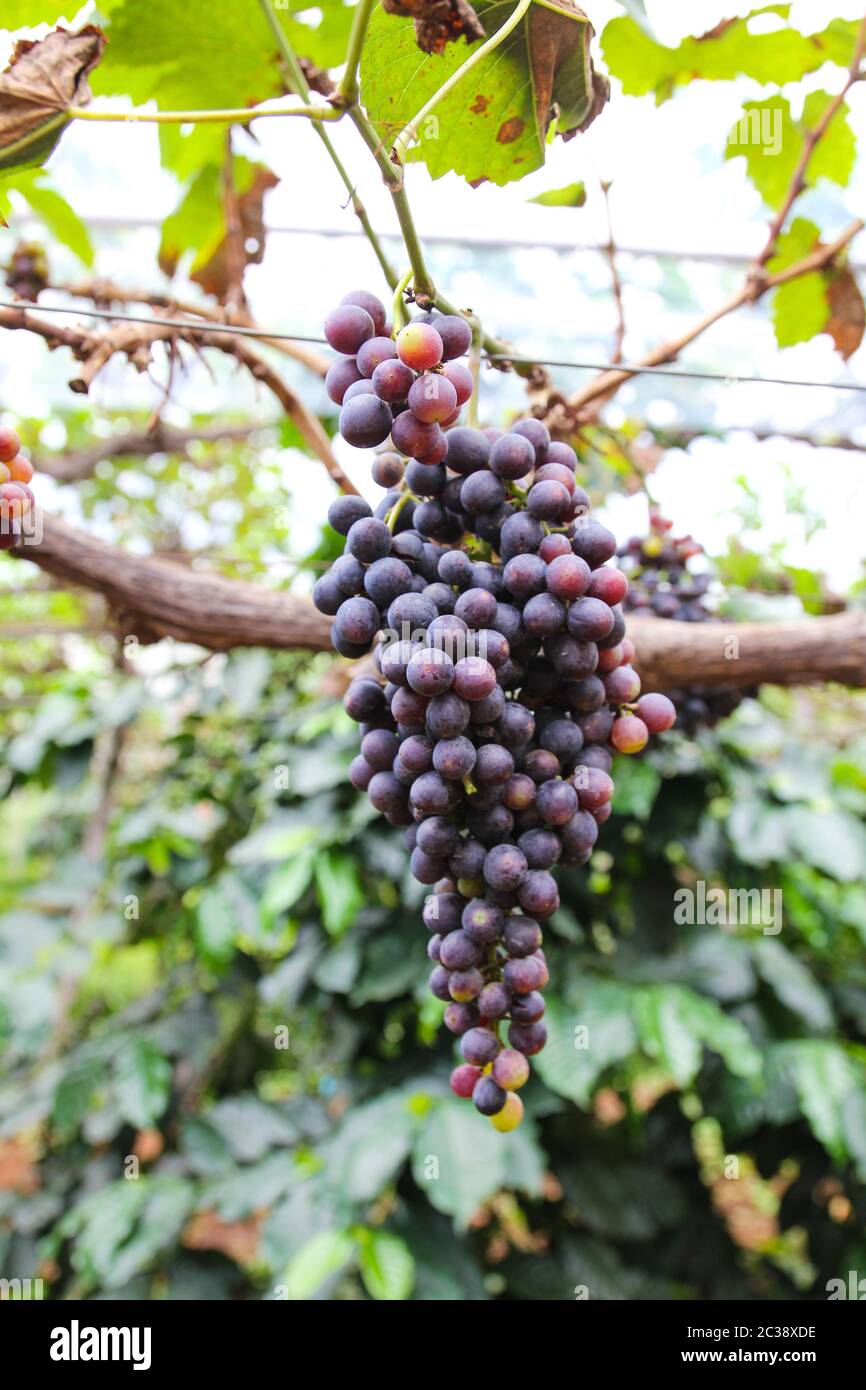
[438, 22]
[847, 319]
[43, 79]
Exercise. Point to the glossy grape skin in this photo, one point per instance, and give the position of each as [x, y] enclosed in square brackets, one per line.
[629, 734]
[432, 795]
[419, 346]
[521, 936]
[425, 442]
[608, 584]
[544, 615]
[494, 1001]
[567, 577]
[465, 985]
[373, 306]
[461, 379]
[432, 398]
[510, 1069]
[368, 539]
[657, 712]
[464, 1078]
[459, 952]
[622, 685]
[541, 848]
[538, 894]
[487, 1097]
[510, 1116]
[364, 699]
[528, 1038]
[548, 501]
[590, 620]
[557, 452]
[357, 620]
[474, 678]
[512, 457]
[468, 450]
[538, 435]
[556, 802]
[347, 327]
[456, 335]
[594, 543]
[340, 376]
[454, 758]
[430, 672]
[345, 511]
[479, 1046]
[482, 921]
[505, 867]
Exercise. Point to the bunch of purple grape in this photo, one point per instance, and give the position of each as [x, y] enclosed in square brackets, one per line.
[503, 681]
[661, 584]
[408, 385]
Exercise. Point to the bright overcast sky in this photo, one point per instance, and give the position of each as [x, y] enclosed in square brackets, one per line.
[672, 191]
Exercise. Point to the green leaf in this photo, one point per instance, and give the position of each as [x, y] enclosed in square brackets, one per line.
[285, 886]
[458, 1162]
[74, 1093]
[319, 1260]
[573, 195]
[143, 1078]
[198, 56]
[21, 14]
[493, 125]
[829, 839]
[61, 220]
[623, 1201]
[772, 142]
[386, 1265]
[340, 891]
[637, 784]
[800, 309]
[730, 50]
[793, 984]
[369, 1149]
[674, 1024]
[824, 1078]
[583, 1041]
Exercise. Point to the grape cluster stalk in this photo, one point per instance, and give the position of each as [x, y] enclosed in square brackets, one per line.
[661, 583]
[16, 498]
[504, 678]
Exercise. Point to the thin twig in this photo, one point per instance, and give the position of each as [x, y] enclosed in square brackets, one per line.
[616, 282]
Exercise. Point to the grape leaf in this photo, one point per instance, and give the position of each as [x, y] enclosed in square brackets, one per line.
[61, 220]
[494, 123]
[438, 22]
[730, 50]
[457, 1162]
[573, 195]
[198, 55]
[800, 309]
[847, 312]
[143, 1078]
[772, 141]
[317, 1261]
[43, 79]
[386, 1265]
[21, 14]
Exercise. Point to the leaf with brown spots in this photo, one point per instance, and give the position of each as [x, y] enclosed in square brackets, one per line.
[438, 22]
[214, 276]
[847, 312]
[42, 80]
[493, 124]
[567, 88]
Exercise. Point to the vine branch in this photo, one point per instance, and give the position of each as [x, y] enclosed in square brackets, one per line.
[154, 598]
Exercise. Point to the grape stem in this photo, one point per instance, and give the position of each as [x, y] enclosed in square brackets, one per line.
[394, 513]
[297, 83]
[401, 318]
[410, 131]
[230, 116]
[348, 89]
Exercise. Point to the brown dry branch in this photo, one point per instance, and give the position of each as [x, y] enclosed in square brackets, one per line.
[135, 340]
[152, 598]
[75, 466]
[582, 407]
